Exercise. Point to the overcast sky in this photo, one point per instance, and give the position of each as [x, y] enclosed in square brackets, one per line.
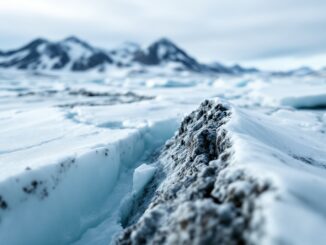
[243, 31]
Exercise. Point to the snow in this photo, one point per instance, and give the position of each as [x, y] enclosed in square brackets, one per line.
[165, 83]
[162, 50]
[75, 184]
[297, 93]
[14, 57]
[74, 149]
[80, 162]
[142, 175]
[281, 151]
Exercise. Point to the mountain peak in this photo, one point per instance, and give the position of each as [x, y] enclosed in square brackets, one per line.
[39, 40]
[36, 42]
[29, 46]
[76, 40]
[72, 39]
[165, 51]
[164, 41]
[165, 45]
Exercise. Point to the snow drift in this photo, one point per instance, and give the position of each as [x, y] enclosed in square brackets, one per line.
[57, 202]
[79, 162]
[233, 177]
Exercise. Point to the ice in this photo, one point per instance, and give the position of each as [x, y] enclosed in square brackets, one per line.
[297, 93]
[75, 149]
[307, 101]
[59, 161]
[168, 83]
[142, 175]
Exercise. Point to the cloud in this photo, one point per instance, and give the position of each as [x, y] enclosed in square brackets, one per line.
[210, 29]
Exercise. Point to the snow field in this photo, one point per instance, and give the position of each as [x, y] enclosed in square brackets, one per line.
[56, 203]
[70, 174]
[293, 160]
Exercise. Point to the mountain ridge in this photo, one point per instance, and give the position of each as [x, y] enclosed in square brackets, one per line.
[76, 55]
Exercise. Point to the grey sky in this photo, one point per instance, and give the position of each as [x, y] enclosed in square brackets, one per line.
[224, 30]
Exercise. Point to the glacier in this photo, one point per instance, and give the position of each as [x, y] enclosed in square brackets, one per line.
[94, 159]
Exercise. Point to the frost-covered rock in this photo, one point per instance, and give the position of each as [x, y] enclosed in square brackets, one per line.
[200, 201]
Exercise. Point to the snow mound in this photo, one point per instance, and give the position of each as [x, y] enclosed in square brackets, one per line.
[234, 177]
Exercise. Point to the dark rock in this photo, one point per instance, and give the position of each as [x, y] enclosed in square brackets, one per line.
[3, 203]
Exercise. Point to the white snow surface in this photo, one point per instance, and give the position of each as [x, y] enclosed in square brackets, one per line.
[68, 161]
[294, 160]
[142, 175]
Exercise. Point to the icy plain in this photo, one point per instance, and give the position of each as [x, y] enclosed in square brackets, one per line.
[76, 151]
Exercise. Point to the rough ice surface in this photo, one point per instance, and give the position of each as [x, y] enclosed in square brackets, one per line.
[245, 167]
[307, 101]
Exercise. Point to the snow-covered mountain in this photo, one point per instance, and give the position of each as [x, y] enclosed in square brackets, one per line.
[164, 51]
[68, 54]
[73, 54]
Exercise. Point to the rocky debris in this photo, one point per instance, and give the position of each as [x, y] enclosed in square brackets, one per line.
[203, 199]
[108, 98]
[309, 161]
[99, 98]
[3, 203]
